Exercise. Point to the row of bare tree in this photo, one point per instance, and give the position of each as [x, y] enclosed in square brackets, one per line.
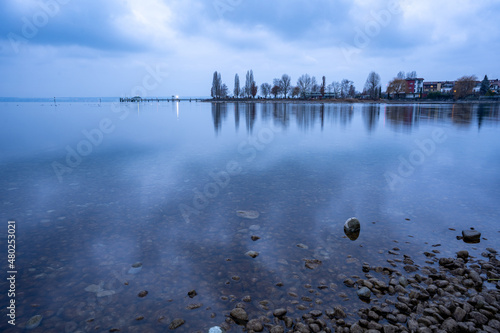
[282, 87]
[307, 86]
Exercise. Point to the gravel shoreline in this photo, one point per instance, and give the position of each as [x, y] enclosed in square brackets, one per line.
[460, 294]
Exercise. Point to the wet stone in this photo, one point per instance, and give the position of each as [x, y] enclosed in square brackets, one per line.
[33, 322]
[255, 238]
[471, 236]
[277, 329]
[312, 263]
[364, 293]
[136, 268]
[239, 315]
[316, 313]
[352, 228]
[255, 325]
[142, 293]
[194, 306]
[177, 322]
[192, 293]
[252, 254]
[248, 214]
[279, 312]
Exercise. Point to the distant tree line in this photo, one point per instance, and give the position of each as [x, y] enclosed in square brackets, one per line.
[308, 87]
[283, 88]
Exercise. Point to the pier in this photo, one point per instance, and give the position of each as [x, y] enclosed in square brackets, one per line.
[157, 99]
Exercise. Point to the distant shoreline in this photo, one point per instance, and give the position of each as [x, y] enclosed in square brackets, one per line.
[347, 100]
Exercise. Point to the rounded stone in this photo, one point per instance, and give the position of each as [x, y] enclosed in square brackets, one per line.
[364, 293]
[352, 228]
[239, 315]
[279, 312]
[255, 325]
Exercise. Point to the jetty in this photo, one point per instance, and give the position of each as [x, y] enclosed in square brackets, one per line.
[157, 99]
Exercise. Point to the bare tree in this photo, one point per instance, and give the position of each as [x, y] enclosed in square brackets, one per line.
[336, 89]
[401, 75]
[275, 90]
[344, 88]
[352, 90]
[304, 83]
[295, 91]
[464, 86]
[285, 83]
[397, 86]
[314, 85]
[411, 75]
[236, 86]
[265, 89]
[253, 89]
[277, 83]
[372, 85]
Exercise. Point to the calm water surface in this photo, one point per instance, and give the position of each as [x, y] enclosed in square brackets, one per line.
[96, 188]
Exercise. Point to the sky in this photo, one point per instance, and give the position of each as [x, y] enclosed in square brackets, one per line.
[110, 48]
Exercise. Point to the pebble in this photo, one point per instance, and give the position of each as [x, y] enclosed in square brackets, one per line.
[255, 238]
[142, 293]
[192, 293]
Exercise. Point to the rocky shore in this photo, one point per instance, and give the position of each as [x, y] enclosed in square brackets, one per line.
[460, 294]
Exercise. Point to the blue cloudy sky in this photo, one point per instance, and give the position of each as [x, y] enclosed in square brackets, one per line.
[164, 47]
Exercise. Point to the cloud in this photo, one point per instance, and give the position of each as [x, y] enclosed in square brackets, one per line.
[115, 38]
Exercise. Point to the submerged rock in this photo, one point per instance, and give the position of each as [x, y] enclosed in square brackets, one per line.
[216, 329]
[33, 322]
[252, 254]
[177, 322]
[471, 236]
[352, 228]
[136, 268]
[192, 293]
[239, 315]
[312, 263]
[248, 214]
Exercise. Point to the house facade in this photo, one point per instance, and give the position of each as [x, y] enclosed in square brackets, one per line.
[414, 87]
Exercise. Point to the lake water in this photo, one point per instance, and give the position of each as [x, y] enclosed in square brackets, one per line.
[94, 188]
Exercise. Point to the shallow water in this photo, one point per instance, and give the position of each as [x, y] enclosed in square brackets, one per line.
[95, 189]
